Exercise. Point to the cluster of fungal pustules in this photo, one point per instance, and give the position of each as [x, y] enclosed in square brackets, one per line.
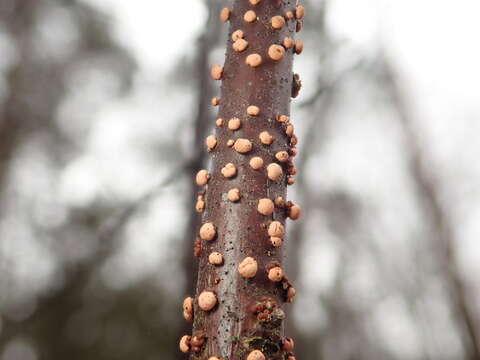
[278, 168]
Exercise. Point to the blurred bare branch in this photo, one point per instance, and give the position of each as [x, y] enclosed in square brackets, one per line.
[439, 221]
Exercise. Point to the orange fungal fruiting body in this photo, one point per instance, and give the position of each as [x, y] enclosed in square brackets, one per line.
[288, 344]
[233, 195]
[216, 72]
[256, 162]
[242, 146]
[185, 343]
[298, 47]
[274, 172]
[275, 274]
[208, 232]
[299, 12]
[288, 42]
[253, 60]
[253, 110]
[248, 267]
[282, 156]
[224, 14]
[276, 52]
[234, 124]
[265, 206]
[202, 177]
[276, 229]
[250, 16]
[240, 45]
[294, 212]
[237, 34]
[229, 170]
[207, 300]
[256, 355]
[211, 142]
[276, 241]
[278, 22]
[266, 138]
[215, 258]
[188, 309]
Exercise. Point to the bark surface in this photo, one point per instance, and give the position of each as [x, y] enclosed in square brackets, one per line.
[249, 313]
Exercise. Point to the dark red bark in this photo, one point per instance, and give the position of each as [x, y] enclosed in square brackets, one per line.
[249, 312]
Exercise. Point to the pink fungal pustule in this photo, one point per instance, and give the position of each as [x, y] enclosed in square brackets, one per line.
[265, 206]
[248, 267]
[237, 34]
[275, 274]
[276, 229]
[276, 241]
[200, 204]
[243, 146]
[256, 163]
[288, 42]
[240, 45]
[254, 60]
[294, 211]
[202, 177]
[234, 124]
[211, 142]
[207, 300]
[256, 355]
[208, 231]
[215, 258]
[253, 110]
[188, 309]
[184, 344]
[266, 138]
[300, 12]
[282, 156]
[277, 22]
[274, 172]
[250, 16]
[233, 195]
[276, 52]
[216, 72]
[224, 14]
[288, 344]
[298, 47]
[229, 170]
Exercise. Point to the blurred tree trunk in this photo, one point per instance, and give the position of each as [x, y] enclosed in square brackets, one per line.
[248, 315]
[439, 222]
[18, 18]
[35, 90]
[10, 126]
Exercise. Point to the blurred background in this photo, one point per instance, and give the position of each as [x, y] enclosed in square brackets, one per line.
[103, 112]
